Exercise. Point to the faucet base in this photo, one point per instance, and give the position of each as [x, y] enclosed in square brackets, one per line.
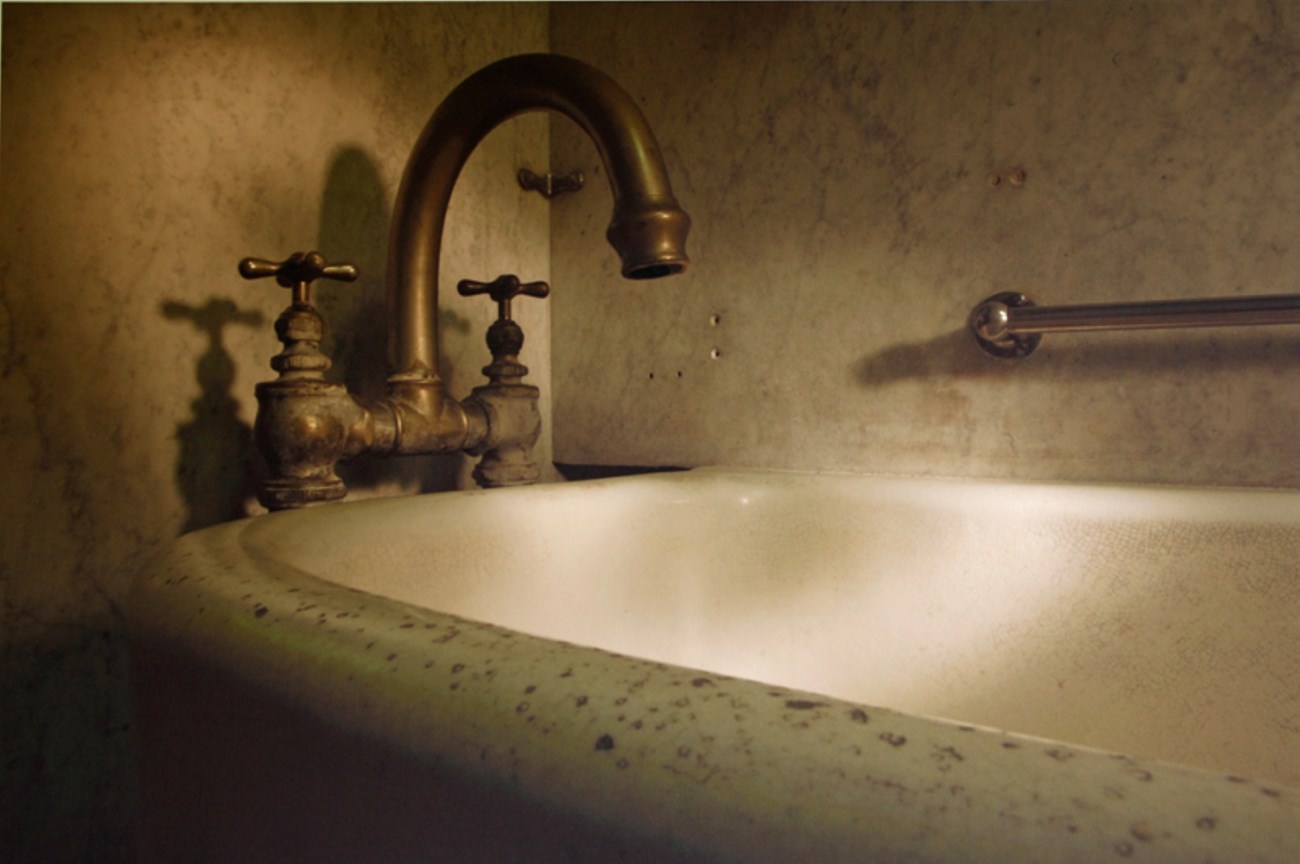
[513, 466]
[303, 427]
[291, 493]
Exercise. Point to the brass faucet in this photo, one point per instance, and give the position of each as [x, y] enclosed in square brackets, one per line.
[306, 424]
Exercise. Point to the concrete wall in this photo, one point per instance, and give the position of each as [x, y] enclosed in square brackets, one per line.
[850, 167]
[838, 161]
[145, 150]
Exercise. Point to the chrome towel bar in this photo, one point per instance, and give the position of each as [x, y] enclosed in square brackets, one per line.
[1010, 325]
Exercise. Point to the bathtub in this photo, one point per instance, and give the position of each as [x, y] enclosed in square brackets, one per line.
[726, 665]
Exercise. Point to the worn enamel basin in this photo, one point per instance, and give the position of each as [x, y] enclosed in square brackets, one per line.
[732, 665]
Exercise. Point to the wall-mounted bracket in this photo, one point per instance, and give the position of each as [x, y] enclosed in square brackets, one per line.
[548, 184]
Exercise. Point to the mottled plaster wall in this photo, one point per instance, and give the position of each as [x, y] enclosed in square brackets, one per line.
[838, 161]
[146, 149]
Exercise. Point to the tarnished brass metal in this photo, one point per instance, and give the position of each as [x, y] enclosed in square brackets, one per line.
[505, 339]
[503, 289]
[306, 423]
[510, 405]
[549, 185]
[648, 228]
[297, 272]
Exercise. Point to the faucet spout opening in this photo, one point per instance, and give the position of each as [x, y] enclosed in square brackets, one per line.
[650, 239]
[648, 228]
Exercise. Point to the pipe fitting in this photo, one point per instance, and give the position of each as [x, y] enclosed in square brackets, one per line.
[514, 425]
[303, 428]
[426, 420]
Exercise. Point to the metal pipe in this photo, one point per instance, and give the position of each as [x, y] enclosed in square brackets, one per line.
[648, 227]
[1010, 325]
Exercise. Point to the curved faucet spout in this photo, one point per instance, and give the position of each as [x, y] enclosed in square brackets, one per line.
[306, 424]
[648, 228]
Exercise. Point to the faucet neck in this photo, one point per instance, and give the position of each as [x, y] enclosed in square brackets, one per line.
[648, 228]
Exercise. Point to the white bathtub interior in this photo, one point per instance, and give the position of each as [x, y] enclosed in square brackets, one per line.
[1116, 668]
[1159, 622]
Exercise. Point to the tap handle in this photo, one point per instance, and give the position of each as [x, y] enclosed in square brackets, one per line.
[503, 289]
[297, 272]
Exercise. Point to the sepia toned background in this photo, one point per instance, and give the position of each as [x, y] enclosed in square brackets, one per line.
[859, 176]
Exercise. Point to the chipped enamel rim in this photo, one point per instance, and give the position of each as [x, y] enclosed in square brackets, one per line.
[726, 768]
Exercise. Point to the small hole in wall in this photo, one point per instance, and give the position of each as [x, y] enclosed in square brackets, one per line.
[652, 376]
[715, 319]
[715, 353]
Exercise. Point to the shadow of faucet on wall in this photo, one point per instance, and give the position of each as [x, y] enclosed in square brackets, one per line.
[354, 222]
[217, 469]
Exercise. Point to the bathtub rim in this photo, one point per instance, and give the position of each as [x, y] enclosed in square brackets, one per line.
[239, 621]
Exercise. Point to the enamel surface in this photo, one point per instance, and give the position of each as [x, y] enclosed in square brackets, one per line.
[775, 611]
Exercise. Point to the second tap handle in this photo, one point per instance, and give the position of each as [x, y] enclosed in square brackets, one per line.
[503, 289]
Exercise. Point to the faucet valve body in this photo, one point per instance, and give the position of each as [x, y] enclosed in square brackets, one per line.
[510, 407]
[305, 422]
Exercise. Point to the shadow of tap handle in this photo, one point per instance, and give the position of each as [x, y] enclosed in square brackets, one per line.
[216, 459]
[215, 367]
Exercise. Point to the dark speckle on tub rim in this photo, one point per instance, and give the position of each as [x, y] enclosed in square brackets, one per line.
[803, 704]
[1121, 838]
[948, 753]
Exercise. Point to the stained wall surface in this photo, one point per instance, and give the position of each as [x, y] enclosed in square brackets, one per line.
[839, 161]
[861, 175]
[145, 150]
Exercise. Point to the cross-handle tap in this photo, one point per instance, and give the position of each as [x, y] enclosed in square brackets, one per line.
[305, 422]
[508, 405]
[297, 272]
[300, 327]
[505, 338]
[503, 289]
